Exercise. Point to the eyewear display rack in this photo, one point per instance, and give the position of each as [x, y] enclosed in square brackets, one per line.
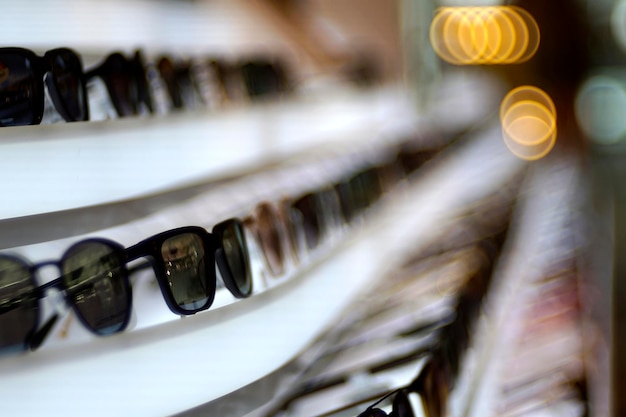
[180, 364]
[121, 178]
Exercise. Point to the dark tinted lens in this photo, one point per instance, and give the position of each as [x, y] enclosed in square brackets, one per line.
[186, 271]
[261, 79]
[121, 84]
[168, 73]
[68, 86]
[143, 89]
[359, 193]
[19, 306]
[307, 206]
[268, 228]
[236, 252]
[21, 102]
[96, 282]
[346, 202]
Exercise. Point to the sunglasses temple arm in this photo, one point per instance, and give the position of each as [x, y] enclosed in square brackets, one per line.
[40, 335]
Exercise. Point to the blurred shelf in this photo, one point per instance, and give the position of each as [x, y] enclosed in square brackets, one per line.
[66, 166]
[210, 357]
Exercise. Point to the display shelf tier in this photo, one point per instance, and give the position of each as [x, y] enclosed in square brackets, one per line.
[66, 166]
[208, 358]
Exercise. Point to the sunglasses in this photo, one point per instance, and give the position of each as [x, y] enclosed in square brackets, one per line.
[179, 82]
[126, 83]
[22, 78]
[95, 280]
[263, 78]
[184, 262]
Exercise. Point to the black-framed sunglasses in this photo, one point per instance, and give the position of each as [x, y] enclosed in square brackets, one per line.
[95, 280]
[22, 93]
[184, 261]
[126, 83]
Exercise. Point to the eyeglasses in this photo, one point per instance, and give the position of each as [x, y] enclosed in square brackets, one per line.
[126, 83]
[95, 280]
[22, 95]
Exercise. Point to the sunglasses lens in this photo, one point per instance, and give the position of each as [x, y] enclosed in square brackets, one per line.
[186, 271]
[19, 307]
[345, 201]
[96, 282]
[67, 73]
[168, 73]
[19, 91]
[121, 85]
[307, 206]
[268, 228]
[233, 241]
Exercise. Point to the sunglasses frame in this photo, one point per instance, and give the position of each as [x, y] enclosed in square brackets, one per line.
[42, 65]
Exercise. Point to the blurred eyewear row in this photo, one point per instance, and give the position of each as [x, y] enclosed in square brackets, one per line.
[55, 87]
[94, 274]
[403, 349]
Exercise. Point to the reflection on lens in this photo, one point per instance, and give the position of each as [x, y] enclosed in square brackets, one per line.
[186, 272]
[19, 307]
[18, 91]
[96, 283]
[270, 238]
[236, 252]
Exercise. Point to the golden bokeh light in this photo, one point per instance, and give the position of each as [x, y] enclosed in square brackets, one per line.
[528, 119]
[484, 35]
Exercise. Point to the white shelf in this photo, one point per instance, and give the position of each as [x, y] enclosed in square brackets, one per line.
[180, 364]
[65, 166]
